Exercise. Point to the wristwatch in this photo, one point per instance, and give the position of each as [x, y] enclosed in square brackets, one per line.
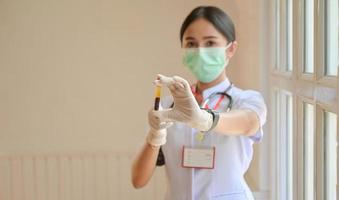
[215, 117]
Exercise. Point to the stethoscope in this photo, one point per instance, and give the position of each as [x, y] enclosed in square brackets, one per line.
[223, 94]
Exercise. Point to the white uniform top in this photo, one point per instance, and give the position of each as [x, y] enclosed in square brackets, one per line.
[233, 154]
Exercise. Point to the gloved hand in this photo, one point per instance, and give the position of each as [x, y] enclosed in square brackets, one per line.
[157, 133]
[185, 108]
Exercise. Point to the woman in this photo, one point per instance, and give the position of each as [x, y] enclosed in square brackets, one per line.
[204, 134]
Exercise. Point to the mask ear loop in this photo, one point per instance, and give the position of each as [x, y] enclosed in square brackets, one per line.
[228, 46]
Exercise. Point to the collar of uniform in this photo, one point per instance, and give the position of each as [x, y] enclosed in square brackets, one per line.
[220, 87]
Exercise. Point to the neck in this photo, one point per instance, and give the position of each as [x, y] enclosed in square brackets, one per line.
[203, 86]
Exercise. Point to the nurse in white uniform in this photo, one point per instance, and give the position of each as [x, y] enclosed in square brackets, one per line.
[204, 133]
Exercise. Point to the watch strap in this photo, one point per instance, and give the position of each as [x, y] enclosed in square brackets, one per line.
[215, 117]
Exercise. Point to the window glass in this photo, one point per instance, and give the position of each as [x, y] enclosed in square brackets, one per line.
[331, 145]
[308, 152]
[289, 39]
[286, 146]
[309, 36]
[332, 34]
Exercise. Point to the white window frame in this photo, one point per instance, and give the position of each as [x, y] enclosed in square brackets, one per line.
[300, 145]
[284, 137]
[317, 89]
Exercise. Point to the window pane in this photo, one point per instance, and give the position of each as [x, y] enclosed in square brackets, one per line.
[289, 108]
[309, 37]
[289, 39]
[331, 143]
[286, 147]
[284, 35]
[309, 145]
[332, 31]
[277, 35]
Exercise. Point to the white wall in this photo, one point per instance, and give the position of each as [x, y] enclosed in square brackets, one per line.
[76, 76]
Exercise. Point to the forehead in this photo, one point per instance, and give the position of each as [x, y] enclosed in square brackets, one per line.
[201, 28]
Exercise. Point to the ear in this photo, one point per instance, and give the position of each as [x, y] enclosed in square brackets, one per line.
[232, 49]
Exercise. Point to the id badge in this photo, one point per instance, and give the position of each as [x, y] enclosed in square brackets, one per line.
[200, 158]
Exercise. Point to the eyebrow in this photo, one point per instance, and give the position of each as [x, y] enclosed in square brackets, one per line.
[206, 37]
[210, 37]
[189, 38]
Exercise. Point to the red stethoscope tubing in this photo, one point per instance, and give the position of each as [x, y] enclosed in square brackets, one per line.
[216, 106]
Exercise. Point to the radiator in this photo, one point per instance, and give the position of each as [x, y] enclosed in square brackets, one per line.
[91, 176]
[73, 177]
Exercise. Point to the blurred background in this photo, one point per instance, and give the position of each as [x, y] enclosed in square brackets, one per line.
[76, 85]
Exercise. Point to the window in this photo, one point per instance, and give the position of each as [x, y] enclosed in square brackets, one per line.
[284, 39]
[308, 151]
[289, 35]
[332, 43]
[331, 145]
[284, 147]
[304, 88]
[309, 36]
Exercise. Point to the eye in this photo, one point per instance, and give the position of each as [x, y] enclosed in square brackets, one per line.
[190, 45]
[210, 43]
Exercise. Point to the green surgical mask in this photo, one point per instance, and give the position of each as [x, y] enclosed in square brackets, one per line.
[206, 64]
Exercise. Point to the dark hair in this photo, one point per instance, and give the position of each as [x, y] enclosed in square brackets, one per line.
[220, 20]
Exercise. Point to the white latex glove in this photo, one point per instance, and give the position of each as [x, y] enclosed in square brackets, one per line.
[186, 108]
[157, 133]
